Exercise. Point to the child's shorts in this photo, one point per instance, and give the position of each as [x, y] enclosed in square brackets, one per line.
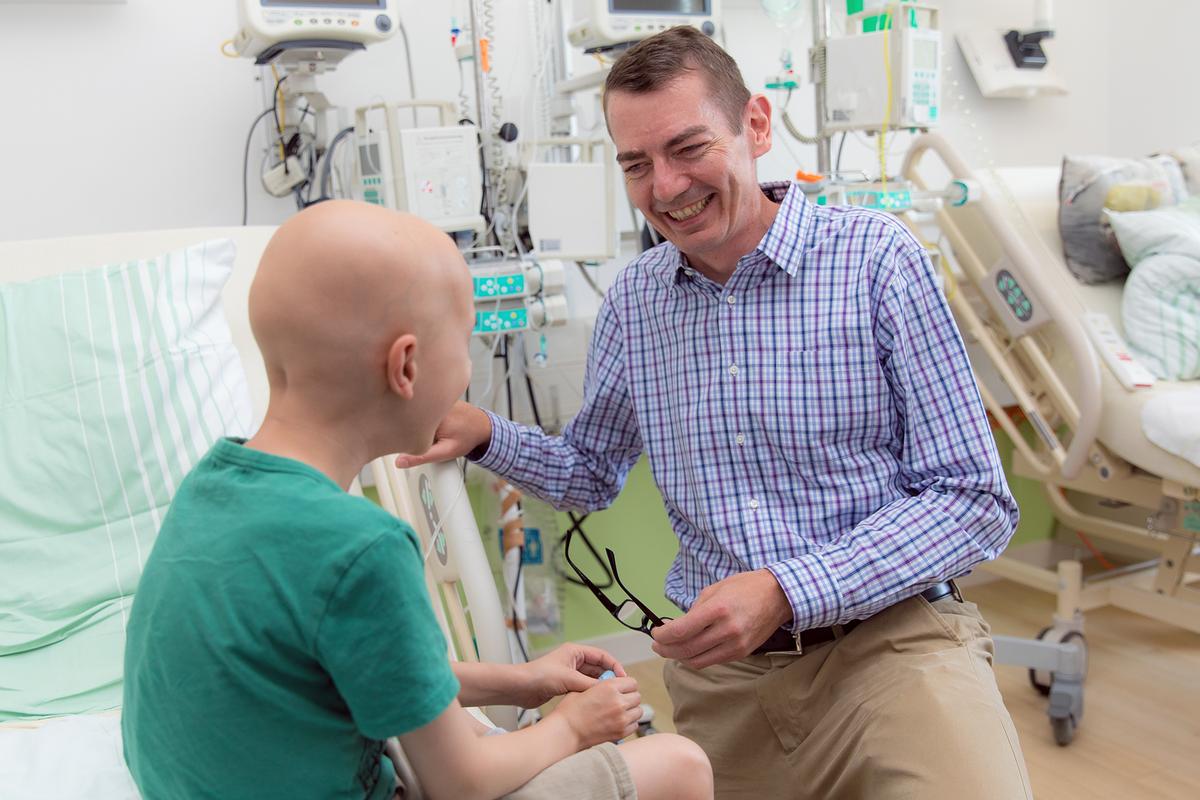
[598, 773]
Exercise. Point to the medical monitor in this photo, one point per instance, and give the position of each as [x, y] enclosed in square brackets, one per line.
[600, 24]
[268, 27]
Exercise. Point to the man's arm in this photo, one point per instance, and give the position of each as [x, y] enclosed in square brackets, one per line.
[584, 468]
[958, 511]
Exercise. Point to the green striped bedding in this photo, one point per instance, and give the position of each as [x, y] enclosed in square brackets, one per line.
[1161, 302]
[113, 382]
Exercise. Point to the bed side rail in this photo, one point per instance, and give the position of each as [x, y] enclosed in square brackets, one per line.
[1079, 410]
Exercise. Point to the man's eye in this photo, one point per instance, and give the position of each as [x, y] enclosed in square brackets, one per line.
[691, 150]
[635, 169]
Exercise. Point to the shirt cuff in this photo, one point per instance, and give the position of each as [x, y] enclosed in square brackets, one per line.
[501, 453]
[812, 589]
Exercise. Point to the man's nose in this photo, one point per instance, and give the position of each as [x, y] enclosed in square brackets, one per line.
[669, 183]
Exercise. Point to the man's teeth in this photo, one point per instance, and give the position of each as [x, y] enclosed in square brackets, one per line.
[689, 211]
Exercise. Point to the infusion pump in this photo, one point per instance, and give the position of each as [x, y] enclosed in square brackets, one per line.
[264, 25]
[598, 24]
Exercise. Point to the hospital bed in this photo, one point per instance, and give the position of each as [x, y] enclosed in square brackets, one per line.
[81, 755]
[1086, 440]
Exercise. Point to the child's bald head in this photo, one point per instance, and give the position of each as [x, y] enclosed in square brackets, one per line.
[363, 312]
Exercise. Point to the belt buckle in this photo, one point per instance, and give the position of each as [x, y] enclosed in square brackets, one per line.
[799, 651]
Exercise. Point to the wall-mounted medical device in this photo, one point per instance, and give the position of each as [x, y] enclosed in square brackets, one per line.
[887, 73]
[585, 229]
[267, 28]
[1014, 63]
[512, 296]
[600, 24]
[432, 172]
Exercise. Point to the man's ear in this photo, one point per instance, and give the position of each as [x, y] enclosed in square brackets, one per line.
[402, 366]
[758, 124]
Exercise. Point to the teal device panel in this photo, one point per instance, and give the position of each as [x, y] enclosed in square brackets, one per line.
[1014, 296]
[489, 287]
[502, 321]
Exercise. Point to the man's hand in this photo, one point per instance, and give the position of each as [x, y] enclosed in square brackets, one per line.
[461, 431]
[568, 668]
[728, 620]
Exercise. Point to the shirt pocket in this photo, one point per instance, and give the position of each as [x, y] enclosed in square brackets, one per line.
[826, 407]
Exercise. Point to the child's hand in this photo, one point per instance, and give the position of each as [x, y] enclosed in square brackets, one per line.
[568, 668]
[608, 711]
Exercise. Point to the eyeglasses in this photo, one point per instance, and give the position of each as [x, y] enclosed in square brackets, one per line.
[630, 612]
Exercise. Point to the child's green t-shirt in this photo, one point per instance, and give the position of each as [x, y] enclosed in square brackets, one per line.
[280, 632]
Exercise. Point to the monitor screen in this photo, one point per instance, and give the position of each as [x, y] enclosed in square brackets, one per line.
[326, 3]
[689, 7]
[925, 54]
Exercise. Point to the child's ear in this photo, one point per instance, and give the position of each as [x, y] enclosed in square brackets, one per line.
[402, 366]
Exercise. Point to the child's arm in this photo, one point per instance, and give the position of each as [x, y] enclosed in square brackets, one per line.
[454, 763]
[569, 668]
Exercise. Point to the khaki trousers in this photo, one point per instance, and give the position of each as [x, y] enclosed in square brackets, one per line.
[903, 706]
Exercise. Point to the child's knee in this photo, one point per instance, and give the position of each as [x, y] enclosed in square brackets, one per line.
[688, 762]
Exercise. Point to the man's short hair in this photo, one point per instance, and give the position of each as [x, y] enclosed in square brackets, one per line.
[653, 63]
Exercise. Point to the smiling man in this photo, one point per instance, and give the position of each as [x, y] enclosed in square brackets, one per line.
[795, 377]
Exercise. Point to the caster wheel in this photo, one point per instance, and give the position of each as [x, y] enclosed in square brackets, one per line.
[1040, 680]
[1064, 730]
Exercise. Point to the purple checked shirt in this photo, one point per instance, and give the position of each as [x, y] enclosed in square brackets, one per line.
[815, 416]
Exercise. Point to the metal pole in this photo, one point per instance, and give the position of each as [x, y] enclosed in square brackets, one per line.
[821, 29]
[482, 116]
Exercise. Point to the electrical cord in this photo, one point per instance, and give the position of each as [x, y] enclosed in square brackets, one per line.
[513, 605]
[246, 165]
[324, 181]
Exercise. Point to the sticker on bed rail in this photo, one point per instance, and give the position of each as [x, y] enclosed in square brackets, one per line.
[1191, 517]
[425, 489]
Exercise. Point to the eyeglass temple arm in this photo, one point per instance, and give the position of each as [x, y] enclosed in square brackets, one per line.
[650, 615]
[604, 601]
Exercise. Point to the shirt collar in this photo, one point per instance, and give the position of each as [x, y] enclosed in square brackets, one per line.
[783, 243]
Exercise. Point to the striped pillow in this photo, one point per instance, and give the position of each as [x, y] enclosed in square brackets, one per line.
[113, 383]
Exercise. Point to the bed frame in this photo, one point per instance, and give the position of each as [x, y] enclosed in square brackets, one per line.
[1086, 434]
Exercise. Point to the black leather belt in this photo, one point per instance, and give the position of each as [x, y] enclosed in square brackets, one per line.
[784, 641]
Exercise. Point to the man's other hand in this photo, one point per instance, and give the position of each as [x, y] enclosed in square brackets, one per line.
[728, 620]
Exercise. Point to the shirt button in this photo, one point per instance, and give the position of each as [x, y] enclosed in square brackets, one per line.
[740, 438]
[753, 503]
[733, 370]
[730, 299]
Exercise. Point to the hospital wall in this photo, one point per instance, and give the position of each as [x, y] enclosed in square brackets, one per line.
[126, 117]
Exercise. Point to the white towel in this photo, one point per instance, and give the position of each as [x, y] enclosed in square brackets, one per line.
[70, 757]
[1172, 421]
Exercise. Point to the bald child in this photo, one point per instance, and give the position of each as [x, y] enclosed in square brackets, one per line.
[281, 633]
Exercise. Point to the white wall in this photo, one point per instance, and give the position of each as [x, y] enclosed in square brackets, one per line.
[126, 117]
[1152, 98]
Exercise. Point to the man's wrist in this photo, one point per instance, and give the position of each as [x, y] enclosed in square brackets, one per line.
[483, 429]
[778, 605]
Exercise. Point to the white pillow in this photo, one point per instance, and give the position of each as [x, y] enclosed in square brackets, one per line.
[1160, 307]
[113, 382]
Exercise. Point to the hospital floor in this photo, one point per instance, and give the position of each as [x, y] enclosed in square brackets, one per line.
[1140, 736]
